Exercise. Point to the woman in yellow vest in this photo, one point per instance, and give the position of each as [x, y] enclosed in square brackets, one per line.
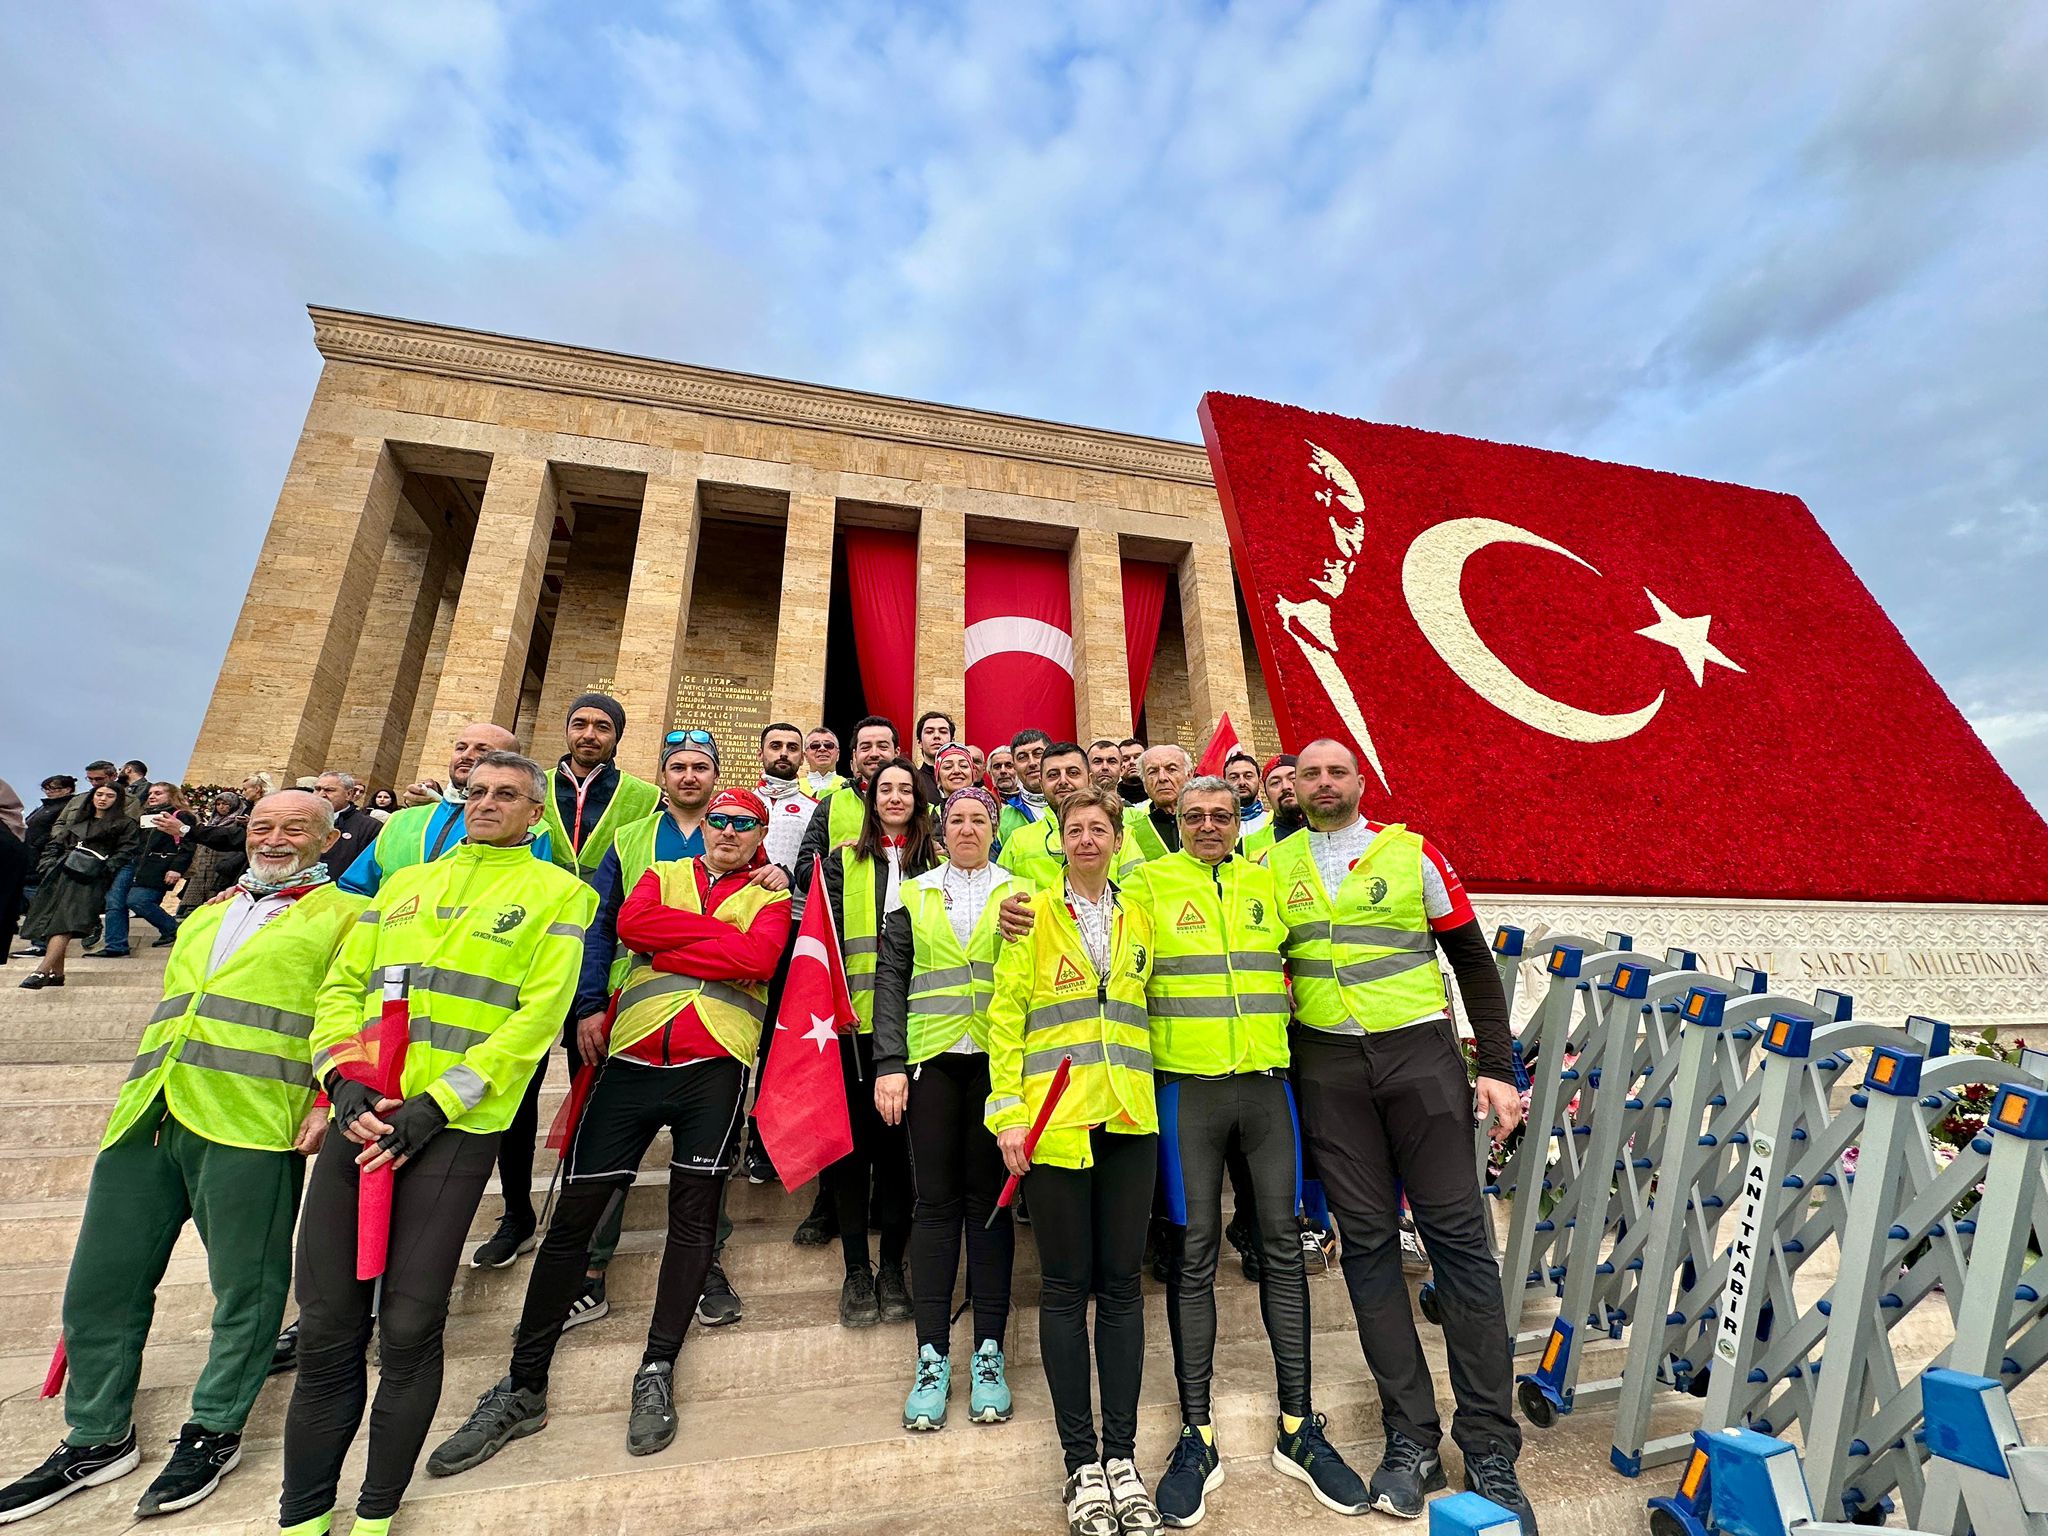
[863, 880]
[933, 985]
[1074, 990]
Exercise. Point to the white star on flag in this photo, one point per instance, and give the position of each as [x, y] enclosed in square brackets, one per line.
[1688, 637]
[821, 1031]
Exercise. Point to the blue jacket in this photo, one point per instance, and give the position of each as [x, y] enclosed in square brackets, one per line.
[601, 938]
[365, 875]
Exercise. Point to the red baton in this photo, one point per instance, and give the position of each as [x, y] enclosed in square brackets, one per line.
[1052, 1098]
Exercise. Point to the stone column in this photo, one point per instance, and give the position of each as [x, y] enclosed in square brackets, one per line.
[585, 649]
[1102, 667]
[449, 594]
[288, 663]
[657, 617]
[377, 706]
[485, 665]
[940, 678]
[1208, 605]
[799, 689]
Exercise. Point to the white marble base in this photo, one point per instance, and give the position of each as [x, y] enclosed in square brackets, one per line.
[1974, 966]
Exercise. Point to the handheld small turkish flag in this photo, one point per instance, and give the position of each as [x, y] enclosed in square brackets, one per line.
[1222, 742]
[1577, 676]
[802, 1106]
[376, 1059]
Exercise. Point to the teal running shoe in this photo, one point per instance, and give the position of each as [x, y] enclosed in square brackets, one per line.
[925, 1408]
[989, 1402]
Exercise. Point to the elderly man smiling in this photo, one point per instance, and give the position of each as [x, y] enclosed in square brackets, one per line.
[212, 1124]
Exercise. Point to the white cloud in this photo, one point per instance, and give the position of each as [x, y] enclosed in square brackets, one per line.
[1795, 247]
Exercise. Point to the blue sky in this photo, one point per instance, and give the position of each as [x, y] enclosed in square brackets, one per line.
[1798, 247]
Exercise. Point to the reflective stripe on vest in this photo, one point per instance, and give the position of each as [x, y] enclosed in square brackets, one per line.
[1367, 961]
[230, 1052]
[650, 999]
[635, 847]
[1218, 995]
[1140, 837]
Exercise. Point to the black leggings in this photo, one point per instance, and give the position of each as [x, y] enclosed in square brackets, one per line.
[1200, 1120]
[880, 1155]
[957, 1171]
[1090, 1225]
[700, 1106]
[434, 1198]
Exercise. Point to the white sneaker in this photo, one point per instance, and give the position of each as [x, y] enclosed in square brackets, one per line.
[1090, 1510]
[1136, 1514]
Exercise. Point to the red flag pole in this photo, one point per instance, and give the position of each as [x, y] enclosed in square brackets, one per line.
[373, 1190]
[1052, 1098]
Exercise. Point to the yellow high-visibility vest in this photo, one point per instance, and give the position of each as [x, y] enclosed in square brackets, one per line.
[734, 1013]
[1364, 957]
[1218, 994]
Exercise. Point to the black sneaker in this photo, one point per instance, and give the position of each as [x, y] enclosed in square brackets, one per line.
[1308, 1455]
[164, 941]
[1492, 1476]
[589, 1304]
[504, 1245]
[199, 1460]
[894, 1294]
[503, 1414]
[284, 1354]
[1193, 1471]
[720, 1303]
[760, 1167]
[1408, 1473]
[652, 1425]
[68, 1469]
[859, 1307]
[818, 1228]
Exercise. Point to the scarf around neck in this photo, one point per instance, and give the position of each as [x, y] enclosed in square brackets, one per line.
[293, 885]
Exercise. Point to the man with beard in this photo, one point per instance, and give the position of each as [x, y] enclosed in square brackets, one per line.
[1284, 817]
[1387, 1109]
[1241, 772]
[428, 828]
[214, 1124]
[874, 743]
[589, 797]
[782, 790]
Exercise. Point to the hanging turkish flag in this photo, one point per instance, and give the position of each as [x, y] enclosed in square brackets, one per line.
[1020, 643]
[1222, 742]
[1576, 676]
[801, 1110]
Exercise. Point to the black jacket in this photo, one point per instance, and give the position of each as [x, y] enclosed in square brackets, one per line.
[358, 829]
[41, 822]
[158, 854]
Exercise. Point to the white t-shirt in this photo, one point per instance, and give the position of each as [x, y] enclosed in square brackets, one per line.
[1336, 852]
[789, 813]
[245, 915]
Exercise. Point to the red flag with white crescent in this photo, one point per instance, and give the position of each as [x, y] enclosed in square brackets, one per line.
[1576, 676]
[1222, 742]
[801, 1110]
[1020, 643]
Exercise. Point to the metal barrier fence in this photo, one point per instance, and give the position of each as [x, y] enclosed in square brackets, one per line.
[1741, 1187]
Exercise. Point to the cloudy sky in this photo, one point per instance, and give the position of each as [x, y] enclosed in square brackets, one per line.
[1804, 247]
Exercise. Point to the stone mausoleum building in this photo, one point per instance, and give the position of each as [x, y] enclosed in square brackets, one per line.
[479, 527]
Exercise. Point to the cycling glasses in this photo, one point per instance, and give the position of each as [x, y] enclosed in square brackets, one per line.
[725, 821]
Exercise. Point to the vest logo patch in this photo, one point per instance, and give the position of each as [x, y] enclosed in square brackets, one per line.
[1258, 913]
[404, 912]
[1190, 919]
[1376, 892]
[1300, 896]
[509, 919]
[1068, 975]
[1137, 960]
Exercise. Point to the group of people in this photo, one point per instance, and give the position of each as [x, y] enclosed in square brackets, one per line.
[1233, 976]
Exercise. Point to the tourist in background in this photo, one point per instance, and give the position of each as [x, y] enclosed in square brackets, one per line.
[58, 791]
[355, 826]
[257, 785]
[15, 864]
[160, 858]
[382, 803]
[135, 782]
[75, 872]
[933, 985]
[1075, 987]
[863, 881]
[213, 869]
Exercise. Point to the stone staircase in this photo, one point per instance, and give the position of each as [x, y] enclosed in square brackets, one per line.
[789, 1422]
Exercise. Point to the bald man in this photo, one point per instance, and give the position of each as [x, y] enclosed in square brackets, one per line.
[422, 832]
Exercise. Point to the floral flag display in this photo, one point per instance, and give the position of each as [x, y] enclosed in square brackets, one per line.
[1585, 677]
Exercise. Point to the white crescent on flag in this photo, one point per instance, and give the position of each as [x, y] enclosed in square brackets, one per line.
[1033, 637]
[806, 945]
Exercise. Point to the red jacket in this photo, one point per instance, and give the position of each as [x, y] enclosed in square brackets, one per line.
[702, 945]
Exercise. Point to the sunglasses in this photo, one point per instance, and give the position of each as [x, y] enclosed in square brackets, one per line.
[725, 821]
[692, 738]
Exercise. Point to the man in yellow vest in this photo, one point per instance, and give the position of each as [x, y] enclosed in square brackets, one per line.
[1151, 830]
[431, 822]
[1032, 852]
[1387, 1108]
[839, 814]
[486, 942]
[704, 940]
[589, 799]
[213, 1123]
